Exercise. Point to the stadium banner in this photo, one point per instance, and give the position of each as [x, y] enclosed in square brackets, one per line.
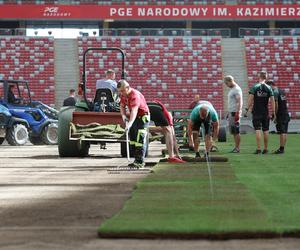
[149, 12]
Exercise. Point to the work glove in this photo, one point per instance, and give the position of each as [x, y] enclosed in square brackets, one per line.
[124, 118]
[128, 126]
[214, 148]
[273, 118]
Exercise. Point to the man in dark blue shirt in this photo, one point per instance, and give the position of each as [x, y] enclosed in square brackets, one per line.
[282, 115]
[259, 96]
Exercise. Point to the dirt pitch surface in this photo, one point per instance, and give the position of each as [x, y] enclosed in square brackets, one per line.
[51, 203]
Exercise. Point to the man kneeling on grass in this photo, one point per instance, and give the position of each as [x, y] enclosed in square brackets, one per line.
[203, 114]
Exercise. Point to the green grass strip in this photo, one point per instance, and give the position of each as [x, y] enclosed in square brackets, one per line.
[253, 196]
[273, 179]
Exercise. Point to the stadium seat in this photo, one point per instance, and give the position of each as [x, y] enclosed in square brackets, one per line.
[170, 71]
[279, 60]
[32, 59]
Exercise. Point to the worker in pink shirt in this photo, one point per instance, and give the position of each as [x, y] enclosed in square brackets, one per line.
[137, 120]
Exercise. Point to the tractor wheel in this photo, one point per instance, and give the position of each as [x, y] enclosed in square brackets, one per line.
[17, 135]
[49, 134]
[222, 134]
[2, 140]
[66, 147]
[36, 140]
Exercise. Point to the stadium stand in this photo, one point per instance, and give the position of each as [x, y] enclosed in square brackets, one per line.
[171, 69]
[270, 2]
[280, 57]
[31, 59]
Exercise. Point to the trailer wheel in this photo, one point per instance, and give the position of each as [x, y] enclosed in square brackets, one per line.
[222, 134]
[66, 147]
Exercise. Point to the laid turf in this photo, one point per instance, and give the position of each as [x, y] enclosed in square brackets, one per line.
[252, 196]
[273, 179]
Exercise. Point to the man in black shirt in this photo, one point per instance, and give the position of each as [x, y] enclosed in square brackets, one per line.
[282, 115]
[259, 96]
[71, 100]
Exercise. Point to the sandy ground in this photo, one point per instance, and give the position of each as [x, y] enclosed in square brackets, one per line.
[51, 203]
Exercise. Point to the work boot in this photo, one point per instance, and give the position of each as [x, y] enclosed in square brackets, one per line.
[206, 155]
[279, 151]
[139, 164]
[197, 155]
[257, 152]
[175, 160]
[265, 151]
[235, 150]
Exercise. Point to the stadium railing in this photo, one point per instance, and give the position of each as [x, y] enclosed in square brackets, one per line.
[165, 32]
[269, 32]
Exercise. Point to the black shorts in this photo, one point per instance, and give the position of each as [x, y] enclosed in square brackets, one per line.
[282, 126]
[261, 122]
[157, 115]
[207, 126]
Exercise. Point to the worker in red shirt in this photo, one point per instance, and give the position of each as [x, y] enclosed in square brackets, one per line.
[137, 120]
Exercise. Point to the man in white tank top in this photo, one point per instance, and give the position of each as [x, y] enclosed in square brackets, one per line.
[235, 104]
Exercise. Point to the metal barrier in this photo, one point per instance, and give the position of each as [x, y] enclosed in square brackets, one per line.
[180, 117]
[134, 32]
[269, 32]
[165, 32]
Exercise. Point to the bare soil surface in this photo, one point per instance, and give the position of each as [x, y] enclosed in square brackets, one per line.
[47, 202]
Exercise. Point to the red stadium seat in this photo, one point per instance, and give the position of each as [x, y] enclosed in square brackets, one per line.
[280, 59]
[172, 69]
[27, 62]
